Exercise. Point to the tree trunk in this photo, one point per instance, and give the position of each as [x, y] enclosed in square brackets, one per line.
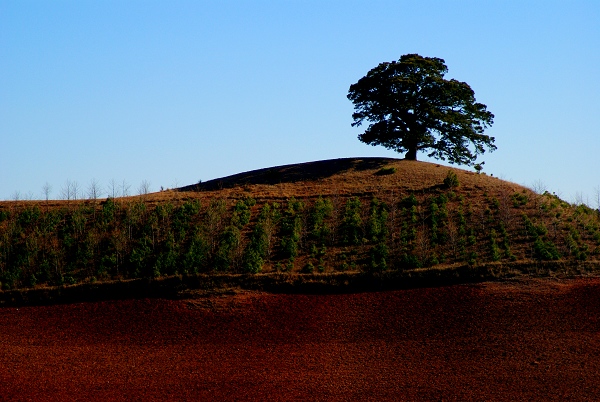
[411, 155]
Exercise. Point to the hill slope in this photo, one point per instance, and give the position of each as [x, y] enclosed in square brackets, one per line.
[356, 214]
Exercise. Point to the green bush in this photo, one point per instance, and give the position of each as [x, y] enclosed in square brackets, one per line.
[291, 227]
[351, 225]
[319, 228]
[4, 215]
[545, 250]
[472, 258]
[519, 199]
[376, 225]
[494, 249]
[451, 180]
[379, 255]
[386, 171]
[228, 243]
[308, 268]
[258, 247]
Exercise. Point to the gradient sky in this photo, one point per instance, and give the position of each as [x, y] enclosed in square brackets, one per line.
[172, 92]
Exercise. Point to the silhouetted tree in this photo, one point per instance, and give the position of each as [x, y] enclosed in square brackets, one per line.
[410, 107]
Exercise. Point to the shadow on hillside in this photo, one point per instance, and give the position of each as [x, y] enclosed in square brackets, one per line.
[309, 171]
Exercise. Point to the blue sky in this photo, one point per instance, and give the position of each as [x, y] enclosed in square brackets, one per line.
[172, 92]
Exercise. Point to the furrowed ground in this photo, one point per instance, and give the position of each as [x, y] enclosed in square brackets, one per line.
[534, 339]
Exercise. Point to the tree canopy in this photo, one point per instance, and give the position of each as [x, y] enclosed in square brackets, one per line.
[410, 107]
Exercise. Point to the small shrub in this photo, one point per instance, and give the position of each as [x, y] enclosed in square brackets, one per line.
[410, 201]
[545, 250]
[451, 180]
[69, 280]
[4, 215]
[410, 261]
[472, 258]
[472, 239]
[308, 268]
[434, 260]
[379, 255]
[351, 225]
[495, 203]
[519, 199]
[386, 171]
[494, 249]
[32, 280]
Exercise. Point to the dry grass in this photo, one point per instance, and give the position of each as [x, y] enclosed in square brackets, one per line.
[337, 177]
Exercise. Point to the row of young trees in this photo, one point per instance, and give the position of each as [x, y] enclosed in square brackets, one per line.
[71, 190]
[133, 239]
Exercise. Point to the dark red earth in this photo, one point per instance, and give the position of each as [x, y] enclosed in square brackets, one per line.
[524, 340]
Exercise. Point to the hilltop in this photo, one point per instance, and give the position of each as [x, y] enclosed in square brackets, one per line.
[335, 220]
[347, 176]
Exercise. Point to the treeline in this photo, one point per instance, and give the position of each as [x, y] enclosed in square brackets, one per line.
[87, 242]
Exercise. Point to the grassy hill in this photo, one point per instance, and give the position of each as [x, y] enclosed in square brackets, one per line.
[390, 217]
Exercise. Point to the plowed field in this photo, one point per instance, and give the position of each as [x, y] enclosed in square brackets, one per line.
[525, 340]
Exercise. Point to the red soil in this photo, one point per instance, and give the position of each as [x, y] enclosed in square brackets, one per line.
[533, 340]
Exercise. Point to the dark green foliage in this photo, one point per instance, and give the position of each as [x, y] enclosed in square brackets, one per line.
[533, 230]
[472, 258]
[308, 268]
[409, 261]
[319, 226]
[166, 263]
[545, 250]
[4, 215]
[241, 212]
[213, 221]
[438, 219]
[584, 210]
[379, 256]
[228, 243]
[140, 260]
[182, 218]
[408, 230]
[410, 201]
[451, 180]
[321, 266]
[519, 199]
[49, 222]
[351, 226]
[29, 216]
[494, 249]
[196, 256]
[386, 171]
[376, 230]
[574, 244]
[471, 238]
[291, 227]
[410, 107]
[257, 249]
[506, 243]
[495, 203]
[108, 213]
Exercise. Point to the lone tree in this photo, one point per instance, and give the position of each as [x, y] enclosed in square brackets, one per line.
[411, 107]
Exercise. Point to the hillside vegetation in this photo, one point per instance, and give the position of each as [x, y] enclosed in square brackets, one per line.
[346, 215]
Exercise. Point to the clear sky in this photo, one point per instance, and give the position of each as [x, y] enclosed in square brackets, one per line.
[172, 92]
